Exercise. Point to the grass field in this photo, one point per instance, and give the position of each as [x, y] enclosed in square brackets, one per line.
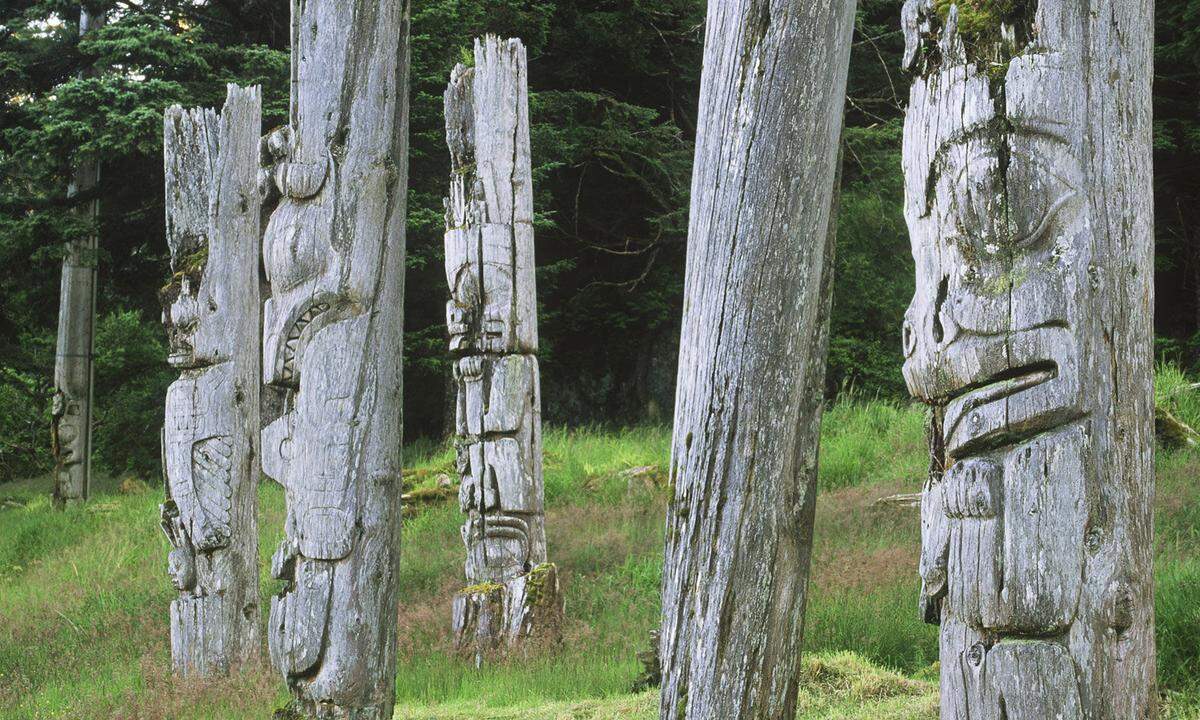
[83, 594]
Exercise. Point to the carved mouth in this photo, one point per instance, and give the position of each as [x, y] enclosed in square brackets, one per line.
[505, 527]
[293, 338]
[1005, 384]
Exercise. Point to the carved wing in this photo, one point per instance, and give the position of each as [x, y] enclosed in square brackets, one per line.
[212, 478]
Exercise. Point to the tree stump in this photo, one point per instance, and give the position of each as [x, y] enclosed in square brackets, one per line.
[752, 358]
[513, 593]
[332, 340]
[210, 437]
[1026, 160]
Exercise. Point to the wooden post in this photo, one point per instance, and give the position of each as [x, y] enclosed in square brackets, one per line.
[512, 593]
[752, 357]
[71, 414]
[332, 341]
[210, 438]
[1027, 164]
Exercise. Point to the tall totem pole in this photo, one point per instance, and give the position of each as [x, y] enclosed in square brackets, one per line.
[491, 317]
[71, 414]
[1027, 174]
[210, 438]
[332, 339]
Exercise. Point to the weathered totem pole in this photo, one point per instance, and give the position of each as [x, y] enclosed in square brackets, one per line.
[210, 437]
[1027, 173]
[512, 592]
[332, 339]
[752, 357]
[71, 413]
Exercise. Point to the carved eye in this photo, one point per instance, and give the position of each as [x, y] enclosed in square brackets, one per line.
[1038, 194]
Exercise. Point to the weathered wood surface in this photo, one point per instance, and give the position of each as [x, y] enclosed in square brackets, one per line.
[1027, 165]
[210, 436]
[332, 340]
[491, 319]
[71, 413]
[752, 357]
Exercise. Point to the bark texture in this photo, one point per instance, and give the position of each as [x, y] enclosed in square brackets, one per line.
[1027, 171]
[71, 413]
[752, 356]
[210, 436]
[491, 317]
[332, 337]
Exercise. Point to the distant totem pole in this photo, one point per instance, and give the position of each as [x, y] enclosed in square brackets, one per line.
[513, 592]
[332, 340]
[71, 409]
[1027, 174]
[210, 437]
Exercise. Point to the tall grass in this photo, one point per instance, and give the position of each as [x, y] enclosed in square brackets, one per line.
[83, 594]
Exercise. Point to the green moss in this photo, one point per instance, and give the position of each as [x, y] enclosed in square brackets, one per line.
[535, 583]
[980, 24]
[483, 588]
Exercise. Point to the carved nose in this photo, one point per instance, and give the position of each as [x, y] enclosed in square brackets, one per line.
[910, 338]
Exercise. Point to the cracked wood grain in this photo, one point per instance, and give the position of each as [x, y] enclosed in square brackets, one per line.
[752, 358]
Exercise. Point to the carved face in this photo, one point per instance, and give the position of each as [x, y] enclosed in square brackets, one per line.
[67, 435]
[994, 211]
[188, 311]
[495, 496]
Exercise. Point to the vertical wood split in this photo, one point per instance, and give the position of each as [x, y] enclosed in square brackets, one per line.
[1026, 196]
[752, 358]
[71, 410]
[210, 435]
[513, 593]
[332, 340]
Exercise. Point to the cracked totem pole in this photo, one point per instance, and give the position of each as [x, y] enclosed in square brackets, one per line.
[512, 592]
[210, 434]
[332, 338]
[1027, 174]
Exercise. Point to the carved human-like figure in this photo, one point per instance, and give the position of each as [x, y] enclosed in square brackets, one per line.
[491, 319]
[210, 437]
[997, 340]
[332, 335]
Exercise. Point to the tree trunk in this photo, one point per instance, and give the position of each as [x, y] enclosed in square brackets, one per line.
[1027, 162]
[71, 415]
[210, 439]
[512, 593]
[332, 341]
[752, 355]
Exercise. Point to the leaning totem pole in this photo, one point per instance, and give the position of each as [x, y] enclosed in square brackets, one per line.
[210, 437]
[332, 336]
[512, 591]
[1027, 165]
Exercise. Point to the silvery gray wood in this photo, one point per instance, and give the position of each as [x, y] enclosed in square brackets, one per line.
[210, 435]
[71, 413]
[752, 357]
[1027, 164]
[491, 318]
[332, 340]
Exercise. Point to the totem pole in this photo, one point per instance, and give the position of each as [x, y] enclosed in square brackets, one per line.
[210, 437]
[71, 410]
[512, 591]
[752, 352]
[1027, 165]
[332, 339]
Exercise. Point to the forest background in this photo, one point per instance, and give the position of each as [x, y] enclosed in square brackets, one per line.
[614, 86]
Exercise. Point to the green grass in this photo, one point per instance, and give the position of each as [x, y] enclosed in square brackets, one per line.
[83, 594]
